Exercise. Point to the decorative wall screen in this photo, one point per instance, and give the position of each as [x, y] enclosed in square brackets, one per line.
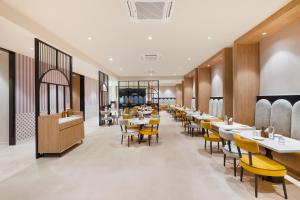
[135, 93]
[53, 72]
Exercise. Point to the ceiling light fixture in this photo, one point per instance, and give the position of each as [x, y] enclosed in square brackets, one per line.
[150, 38]
[209, 37]
[189, 58]
[110, 59]
[121, 69]
[208, 65]
[89, 38]
[264, 33]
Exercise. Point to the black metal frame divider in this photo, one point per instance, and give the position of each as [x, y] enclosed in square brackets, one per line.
[103, 80]
[12, 96]
[55, 60]
[154, 94]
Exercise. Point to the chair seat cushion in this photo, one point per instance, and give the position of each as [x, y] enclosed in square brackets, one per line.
[233, 151]
[148, 131]
[195, 126]
[129, 132]
[262, 165]
[212, 137]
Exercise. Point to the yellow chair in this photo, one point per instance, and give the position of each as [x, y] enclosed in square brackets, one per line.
[152, 130]
[258, 164]
[210, 136]
[126, 110]
[154, 112]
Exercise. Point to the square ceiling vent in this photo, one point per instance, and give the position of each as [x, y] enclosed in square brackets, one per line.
[150, 10]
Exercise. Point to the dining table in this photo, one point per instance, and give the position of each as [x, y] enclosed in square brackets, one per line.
[141, 122]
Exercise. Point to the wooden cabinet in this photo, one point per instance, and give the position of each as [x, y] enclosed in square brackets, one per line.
[56, 134]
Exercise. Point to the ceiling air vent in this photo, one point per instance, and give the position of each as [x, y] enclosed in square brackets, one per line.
[151, 57]
[150, 10]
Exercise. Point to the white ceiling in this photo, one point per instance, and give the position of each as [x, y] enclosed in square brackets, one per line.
[115, 36]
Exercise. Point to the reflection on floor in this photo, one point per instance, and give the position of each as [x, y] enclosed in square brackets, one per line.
[101, 168]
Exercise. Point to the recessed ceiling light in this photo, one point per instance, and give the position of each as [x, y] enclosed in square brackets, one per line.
[189, 58]
[264, 33]
[121, 69]
[110, 59]
[208, 65]
[151, 74]
[209, 37]
[150, 38]
[89, 38]
[31, 48]
[174, 74]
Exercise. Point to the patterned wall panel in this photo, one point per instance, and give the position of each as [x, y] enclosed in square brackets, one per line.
[25, 98]
[91, 98]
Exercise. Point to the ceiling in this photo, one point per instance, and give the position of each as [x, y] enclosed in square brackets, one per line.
[197, 30]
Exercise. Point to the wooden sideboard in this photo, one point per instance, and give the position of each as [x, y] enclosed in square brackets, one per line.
[57, 134]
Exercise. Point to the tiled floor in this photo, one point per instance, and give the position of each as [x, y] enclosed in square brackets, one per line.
[177, 168]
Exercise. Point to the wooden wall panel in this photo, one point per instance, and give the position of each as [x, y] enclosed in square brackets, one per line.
[76, 92]
[196, 88]
[204, 87]
[188, 91]
[228, 82]
[179, 94]
[245, 82]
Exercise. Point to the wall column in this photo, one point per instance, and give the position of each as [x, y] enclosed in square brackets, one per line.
[188, 91]
[179, 94]
[204, 88]
[245, 82]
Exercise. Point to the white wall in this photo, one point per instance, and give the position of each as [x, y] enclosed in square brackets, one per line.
[280, 62]
[4, 97]
[217, 80]
[167, 91]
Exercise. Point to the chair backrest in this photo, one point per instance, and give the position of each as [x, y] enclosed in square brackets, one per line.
[262, 113]
[210, 106]
[296, 121]
[154, 112]
[220, 109]
[127, 116]
[215, 107]
[245, 144]
[154, 121]
[123, 124]
[205, 125]
[226, 135]
[281, 114]
[126, 110]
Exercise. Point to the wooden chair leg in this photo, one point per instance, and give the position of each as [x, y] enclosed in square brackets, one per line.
[156, 138]
[128, 140]
[210, 147]
[242, 171]
[234, 166]
[192, 132]
[205, 144]
[122, 139]
[284, 188]
[256, 185]
[218, 146]
[224, 160]
[149, 139]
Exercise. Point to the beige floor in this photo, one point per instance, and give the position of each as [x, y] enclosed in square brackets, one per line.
[178, 168]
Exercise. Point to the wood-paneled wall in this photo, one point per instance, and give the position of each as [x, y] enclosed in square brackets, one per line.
[228, 81]
[188, 91]
[245, 82]
[204, 86]
[76, 91]
[179, 94]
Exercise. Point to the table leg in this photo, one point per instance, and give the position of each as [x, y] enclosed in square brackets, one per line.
[270, 178]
